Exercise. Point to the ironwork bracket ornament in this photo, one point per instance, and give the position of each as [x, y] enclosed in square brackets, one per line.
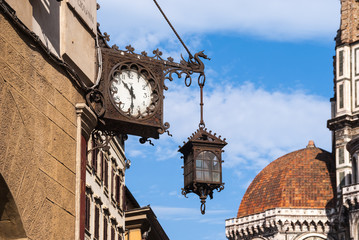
[102, 139]
[203, 190]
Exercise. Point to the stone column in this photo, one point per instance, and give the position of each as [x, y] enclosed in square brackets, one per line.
[86, 122]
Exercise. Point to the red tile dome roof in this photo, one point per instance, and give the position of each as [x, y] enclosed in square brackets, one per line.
[301, 179]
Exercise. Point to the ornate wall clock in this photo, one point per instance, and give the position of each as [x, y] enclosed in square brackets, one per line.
[133, 90]
[130, 95]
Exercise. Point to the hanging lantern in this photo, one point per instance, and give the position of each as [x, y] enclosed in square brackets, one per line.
[202, 155]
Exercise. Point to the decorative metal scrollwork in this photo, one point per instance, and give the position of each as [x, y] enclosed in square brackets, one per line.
[143, 140]
[95, 100]
[203, 190]
[102, 139]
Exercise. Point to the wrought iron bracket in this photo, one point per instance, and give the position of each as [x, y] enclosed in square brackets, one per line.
[102, 139]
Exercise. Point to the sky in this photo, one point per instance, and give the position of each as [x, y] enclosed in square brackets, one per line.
[267, 92]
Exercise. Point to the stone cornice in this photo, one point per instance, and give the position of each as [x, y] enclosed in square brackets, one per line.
[279, 220]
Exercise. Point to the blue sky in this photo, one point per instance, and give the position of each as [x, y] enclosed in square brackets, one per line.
[268, 87]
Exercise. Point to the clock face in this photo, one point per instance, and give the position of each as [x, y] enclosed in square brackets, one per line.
[132, 93]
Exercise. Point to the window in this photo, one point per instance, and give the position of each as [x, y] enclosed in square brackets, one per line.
[94, 157]
[118, 185]
[112, 182]
[112, 233]
[104, 228]
[341, 62]
[341, 96]
[87, 213]
[106, 174]
[207, 167]
[357, 61]
[101, 165]
[341, 155]
[342, 179]
[97, 223]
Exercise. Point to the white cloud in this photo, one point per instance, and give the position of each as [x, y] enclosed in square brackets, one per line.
[140, 23]
[259, 125]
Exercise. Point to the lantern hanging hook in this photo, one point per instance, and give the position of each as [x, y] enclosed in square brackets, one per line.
[203, 208]
[203, 204]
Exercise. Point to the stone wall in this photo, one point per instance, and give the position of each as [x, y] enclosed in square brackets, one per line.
[37, 136]
[349, 25]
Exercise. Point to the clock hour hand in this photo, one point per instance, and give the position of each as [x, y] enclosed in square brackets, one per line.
[129, 89]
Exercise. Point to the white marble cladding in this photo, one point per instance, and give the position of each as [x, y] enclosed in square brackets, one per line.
[278, 220]
[350, 194]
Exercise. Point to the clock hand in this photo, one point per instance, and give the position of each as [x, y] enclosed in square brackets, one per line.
[131, 93]
[126, 86]
[129, 89]
[132, 106]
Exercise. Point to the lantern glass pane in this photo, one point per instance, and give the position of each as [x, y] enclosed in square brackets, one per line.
[206, 176]
[216, 177]
[206, 164]
[199, 175]
[208, 167]
[199, 163]
[215, 165]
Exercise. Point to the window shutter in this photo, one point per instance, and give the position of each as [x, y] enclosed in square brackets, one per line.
[97, 223]
[87, 214]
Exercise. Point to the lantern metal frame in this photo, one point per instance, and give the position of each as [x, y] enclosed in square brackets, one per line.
[199, 142]
[202, 141]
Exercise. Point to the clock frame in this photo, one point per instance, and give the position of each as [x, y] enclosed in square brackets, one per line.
[149, 125]
[133, 90]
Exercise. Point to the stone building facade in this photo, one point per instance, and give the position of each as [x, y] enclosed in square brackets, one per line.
[56, 180]
[327, 208]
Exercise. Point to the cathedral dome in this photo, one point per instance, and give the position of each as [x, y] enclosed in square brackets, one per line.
[301, 179]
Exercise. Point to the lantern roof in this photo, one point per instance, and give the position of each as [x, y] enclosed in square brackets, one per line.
[202, 136]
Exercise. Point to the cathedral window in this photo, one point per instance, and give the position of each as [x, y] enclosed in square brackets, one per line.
[341, 62]
[341, 155]
[341, 96]
[349, 178]
[342, 179]
[357, 61]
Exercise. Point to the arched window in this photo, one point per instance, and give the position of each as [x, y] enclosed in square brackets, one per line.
[207, 167]
[10, 222]
[355, 169]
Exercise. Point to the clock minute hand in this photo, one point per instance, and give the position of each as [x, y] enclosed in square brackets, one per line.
[131, 93]
[130, 90]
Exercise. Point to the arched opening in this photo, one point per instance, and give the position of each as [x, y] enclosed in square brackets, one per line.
[354, 169]
[10, 222]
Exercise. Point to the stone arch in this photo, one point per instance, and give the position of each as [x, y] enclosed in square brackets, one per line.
[11, 226]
